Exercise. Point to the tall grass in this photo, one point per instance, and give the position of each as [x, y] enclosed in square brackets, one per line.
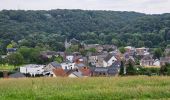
[110, 88]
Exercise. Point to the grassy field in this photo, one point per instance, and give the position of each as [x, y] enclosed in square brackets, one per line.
[111, 88]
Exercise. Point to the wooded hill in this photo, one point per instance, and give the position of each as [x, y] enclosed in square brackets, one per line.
[51, 28]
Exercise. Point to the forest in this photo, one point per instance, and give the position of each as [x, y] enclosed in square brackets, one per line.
[49, 29]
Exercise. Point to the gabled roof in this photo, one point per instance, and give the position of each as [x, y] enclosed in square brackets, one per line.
[116, 64]
[147, 57]
[11, 49]
[108, 57]
[80, 65]
[77, 73]
[55, 64]
[109, 70]
[100, 69]
[165, 59]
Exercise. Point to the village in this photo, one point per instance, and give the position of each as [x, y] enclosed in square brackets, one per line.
[106, 61]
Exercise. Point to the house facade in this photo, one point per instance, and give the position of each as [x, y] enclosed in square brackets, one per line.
[109, 60]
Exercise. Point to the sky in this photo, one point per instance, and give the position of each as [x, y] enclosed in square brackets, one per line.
[143, 6]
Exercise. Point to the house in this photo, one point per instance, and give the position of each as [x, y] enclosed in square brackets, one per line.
[68, 65]
[51, 66]
[142, 51]
[130, 50]
[109, 60]
[100, 59]
[54, 69]
[32, 69]
[75, 74]
[98, 47]
[69, 58]
[17, 75]
[92, 60]
[164, 60]
[147, 61]
[82, 60]
[83, 69]
[156, 62]
[167, 51]
[11, 50]
[129, 59]
[104, 71]
[58, 72]
[109, 47]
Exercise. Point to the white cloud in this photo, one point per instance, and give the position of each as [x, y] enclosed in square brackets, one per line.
[145, 6]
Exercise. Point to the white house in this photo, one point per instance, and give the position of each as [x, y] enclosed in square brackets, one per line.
[70, 58]
[109, 60]
[156, 62]
[32, 69]
[68, 65]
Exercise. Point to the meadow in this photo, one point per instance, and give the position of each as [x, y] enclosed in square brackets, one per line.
[98, 88]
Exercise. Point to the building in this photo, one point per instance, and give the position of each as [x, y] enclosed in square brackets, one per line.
[32, 69]
[109, 60]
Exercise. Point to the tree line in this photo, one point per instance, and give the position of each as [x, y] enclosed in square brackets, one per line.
[49, 29]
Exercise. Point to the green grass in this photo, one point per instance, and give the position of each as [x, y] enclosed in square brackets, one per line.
[7, 67]
[110, 88]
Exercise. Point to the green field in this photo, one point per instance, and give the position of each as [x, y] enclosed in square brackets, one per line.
[110, 88]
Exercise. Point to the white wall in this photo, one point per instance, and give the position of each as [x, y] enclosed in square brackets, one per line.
[70, 58]
[110, 62]
[72, 75]
[32, 69]
[68, 65]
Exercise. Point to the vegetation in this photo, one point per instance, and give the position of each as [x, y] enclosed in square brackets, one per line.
[165, 70]
[49, 29]
[117, 88]
[7, 67]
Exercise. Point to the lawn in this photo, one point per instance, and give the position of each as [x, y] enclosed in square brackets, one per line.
[6, 67]
[101, 88]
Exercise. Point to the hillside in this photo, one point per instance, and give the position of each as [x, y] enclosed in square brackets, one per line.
[32, 28]
[117, 88]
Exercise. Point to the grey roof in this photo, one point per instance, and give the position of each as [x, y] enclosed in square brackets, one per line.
[112, 71]
[109, 70]
[116, 64]
[165, 59]
[108, 57]
[55, 64]
[80, 65]
[147, 57]
[77, 73]
[101, 69]
[11, 49]
[17, 75]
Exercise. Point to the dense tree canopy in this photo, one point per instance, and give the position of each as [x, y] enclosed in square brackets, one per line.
[49, 29]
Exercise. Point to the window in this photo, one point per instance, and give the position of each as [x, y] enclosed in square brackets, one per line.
[65, 67]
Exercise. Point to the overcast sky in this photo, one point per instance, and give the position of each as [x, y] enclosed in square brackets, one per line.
[144, 6]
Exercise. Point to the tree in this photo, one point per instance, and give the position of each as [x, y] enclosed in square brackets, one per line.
[121, 68]
[158, 53]
[59, 59]
[130, 69]
[165, 70]
[15, 59]
[93, 50]
[122, 50]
